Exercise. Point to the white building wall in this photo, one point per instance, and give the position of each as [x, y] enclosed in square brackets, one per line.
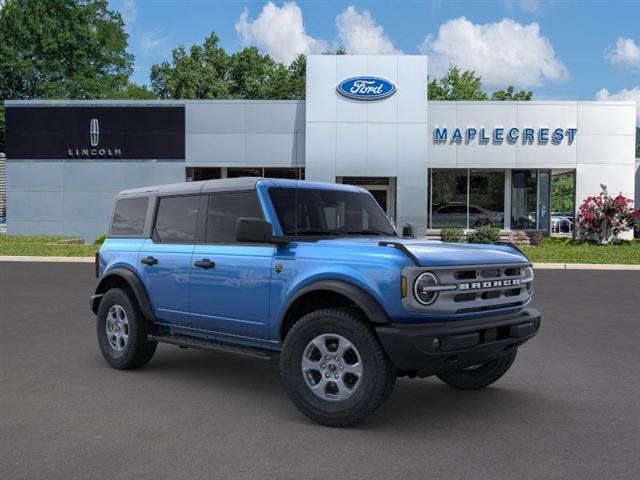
[381, 138]
[602, 152]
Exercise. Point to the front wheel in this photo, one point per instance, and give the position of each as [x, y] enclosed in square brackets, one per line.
[334, 369]
[479, 376]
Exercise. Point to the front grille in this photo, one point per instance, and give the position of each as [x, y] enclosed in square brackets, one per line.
[465, 289]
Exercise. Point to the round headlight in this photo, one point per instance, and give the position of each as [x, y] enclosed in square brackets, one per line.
[528, 275]
[422, 288]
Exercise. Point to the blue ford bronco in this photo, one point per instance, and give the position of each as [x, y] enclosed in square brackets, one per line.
[311, 276]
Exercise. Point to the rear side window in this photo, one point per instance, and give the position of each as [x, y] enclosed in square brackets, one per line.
[176, 219]
[129, 217]
[224, 209]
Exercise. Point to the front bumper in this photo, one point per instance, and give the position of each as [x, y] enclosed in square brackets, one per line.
[429, 349]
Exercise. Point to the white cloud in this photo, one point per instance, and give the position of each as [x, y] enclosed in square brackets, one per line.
[504, 53]
[129, 13]
[151, 41]
[632, 94]
[360, 34]
[626, 53]
[278, 31]
[529, 6]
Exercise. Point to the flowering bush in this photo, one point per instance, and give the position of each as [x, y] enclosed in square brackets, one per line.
[604, 217]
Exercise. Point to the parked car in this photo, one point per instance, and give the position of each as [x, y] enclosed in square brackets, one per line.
[310, 276]
[561, 222]
[455, 214]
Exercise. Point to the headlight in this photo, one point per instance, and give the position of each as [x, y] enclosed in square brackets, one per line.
[424, 290]
[528, 276]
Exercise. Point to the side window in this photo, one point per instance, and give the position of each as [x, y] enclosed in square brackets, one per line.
[129, 217]
[224, 209]
[176, 219]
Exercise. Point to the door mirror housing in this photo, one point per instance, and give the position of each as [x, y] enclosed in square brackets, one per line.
[254, 230]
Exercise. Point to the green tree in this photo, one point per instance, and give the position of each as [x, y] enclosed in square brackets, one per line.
[562, 193]
[457, 85]
[199, 74]
[510, 95]
[298, 74]
[208, 72]
[62, 49]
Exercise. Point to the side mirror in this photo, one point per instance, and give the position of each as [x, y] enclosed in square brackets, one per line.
[409, 230]
[253, 230]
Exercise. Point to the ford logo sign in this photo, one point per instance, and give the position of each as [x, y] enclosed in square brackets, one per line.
[366, 88]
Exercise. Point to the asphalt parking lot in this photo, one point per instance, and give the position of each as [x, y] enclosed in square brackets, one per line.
[569, 408]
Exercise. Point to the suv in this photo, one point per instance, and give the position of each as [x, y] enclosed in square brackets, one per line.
[311, 276]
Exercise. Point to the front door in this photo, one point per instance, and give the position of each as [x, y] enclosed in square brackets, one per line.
[231, 281]
[165, 259]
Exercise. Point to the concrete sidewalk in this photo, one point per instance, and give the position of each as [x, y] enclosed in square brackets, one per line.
[541, 266]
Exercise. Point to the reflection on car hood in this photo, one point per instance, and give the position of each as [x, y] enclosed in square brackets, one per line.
[435, 253]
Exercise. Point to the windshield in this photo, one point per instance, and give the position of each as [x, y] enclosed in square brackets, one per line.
[328, 212]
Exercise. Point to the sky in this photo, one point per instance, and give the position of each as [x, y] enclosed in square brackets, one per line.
[561, 50]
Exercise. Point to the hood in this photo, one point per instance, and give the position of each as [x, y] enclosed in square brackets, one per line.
[434, 253]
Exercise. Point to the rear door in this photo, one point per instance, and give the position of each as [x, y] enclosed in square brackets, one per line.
[166, 258]
[230, 281]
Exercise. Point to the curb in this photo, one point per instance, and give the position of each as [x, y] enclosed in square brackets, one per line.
[584, 266]
[539, 266]
[15, 258]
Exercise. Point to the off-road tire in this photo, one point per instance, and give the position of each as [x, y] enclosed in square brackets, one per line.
[378, 377]
[138, 350]
[480, 377]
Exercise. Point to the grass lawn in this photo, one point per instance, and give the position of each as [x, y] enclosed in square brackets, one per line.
[556, 250]
[44, 246]
[553, 250]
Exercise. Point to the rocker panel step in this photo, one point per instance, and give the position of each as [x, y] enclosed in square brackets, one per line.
[264, 355]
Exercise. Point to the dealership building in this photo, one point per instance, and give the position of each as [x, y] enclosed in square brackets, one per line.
[366, 121]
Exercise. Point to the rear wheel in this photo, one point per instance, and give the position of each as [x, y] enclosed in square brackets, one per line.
[334, 369]
[122, 331]
[479, 376]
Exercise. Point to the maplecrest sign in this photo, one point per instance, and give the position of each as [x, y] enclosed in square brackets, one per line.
[512, 135]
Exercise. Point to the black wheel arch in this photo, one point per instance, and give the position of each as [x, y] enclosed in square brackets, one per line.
[122, 276]
[368, 305]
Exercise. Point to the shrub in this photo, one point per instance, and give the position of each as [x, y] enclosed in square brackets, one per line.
[604, 217]
[100, 240]
[452, 235]
[484, 234]
[537, 238]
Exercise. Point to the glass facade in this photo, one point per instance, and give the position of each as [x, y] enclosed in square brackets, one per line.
[466, 198]
[470, 198]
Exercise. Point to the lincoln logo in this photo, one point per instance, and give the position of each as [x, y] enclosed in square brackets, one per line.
[490, 284]
[94, 132]
[94, 151]
[366, 88]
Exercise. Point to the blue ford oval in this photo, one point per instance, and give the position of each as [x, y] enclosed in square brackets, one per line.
[366, 88]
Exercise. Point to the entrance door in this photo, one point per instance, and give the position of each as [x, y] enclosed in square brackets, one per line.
[382, 189]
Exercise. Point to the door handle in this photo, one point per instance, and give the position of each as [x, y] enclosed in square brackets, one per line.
[149, 260]
[205, 263]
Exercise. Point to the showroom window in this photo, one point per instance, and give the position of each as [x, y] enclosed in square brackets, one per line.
[465, 198]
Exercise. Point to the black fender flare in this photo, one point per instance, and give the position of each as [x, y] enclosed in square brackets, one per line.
[133, 281]
[363, 300]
